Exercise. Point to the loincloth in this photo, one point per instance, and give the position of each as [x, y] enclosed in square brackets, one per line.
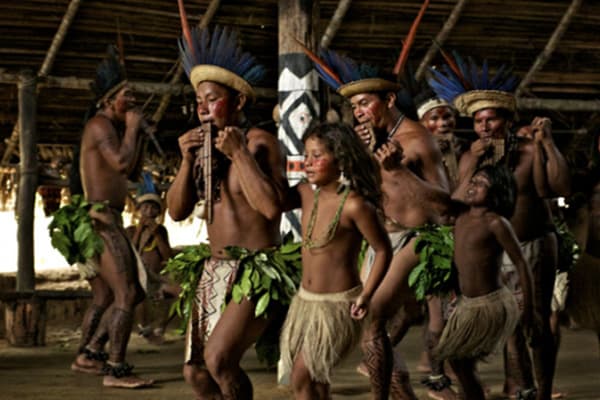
[478, 326]
[559, 294]
[398, 240]
[218, 277]
[532, 252]
[319, 327]
[108, 224]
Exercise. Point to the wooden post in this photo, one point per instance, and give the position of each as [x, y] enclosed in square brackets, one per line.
[25, 322]
[27, 180]
[298, 86]
[25, 319]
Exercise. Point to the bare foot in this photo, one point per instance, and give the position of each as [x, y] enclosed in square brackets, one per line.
[557, 393]
[444, 394]
[127, 382]
[87, 366]
[362, 369]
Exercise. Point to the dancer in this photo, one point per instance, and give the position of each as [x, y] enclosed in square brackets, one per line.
[487, 312]
[341, 203]
[245, 200]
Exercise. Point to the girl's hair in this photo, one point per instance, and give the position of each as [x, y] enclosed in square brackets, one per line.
[354, 159]
[502, 193]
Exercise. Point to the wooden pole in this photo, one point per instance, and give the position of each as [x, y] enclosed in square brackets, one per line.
[335, 23]
[298, 86]
[27, 180]
[44, 70]
[441, 38]
[59, 37]
[544, 56]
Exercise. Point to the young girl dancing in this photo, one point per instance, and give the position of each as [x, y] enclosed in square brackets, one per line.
[341, 205]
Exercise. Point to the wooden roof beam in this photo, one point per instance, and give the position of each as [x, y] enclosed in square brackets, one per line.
[441, 37]
[335, 23]
[44, 70]
[544, 56]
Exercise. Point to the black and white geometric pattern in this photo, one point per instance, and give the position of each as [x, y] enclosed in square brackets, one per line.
[298, 88]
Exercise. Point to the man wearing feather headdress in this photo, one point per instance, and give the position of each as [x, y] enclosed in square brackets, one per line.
[246, 200]
[540, 172]
[110, 151]
[415, 191]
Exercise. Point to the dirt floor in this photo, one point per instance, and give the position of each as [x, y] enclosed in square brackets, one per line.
[43, 372]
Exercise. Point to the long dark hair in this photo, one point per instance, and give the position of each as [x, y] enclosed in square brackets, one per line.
[355, 161]
[502, 193]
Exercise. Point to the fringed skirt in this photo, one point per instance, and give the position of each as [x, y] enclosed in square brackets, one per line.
[479, 326]
[319, 326]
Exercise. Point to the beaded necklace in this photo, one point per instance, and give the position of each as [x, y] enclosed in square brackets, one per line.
[308, 242]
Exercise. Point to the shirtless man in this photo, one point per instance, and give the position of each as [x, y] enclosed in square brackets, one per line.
[151, 240]
[110, 149]
[415, 192]
[247, 202]
[540, 171]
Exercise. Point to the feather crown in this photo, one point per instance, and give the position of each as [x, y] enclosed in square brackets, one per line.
[471, 88]
[110, 76]
[147, 191]
[347, 77]
[218, 57]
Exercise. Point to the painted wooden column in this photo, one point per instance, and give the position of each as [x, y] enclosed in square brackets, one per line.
[298, 87]
[28, 175]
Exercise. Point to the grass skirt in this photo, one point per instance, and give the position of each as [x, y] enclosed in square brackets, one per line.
[479, 326]
[319, 326]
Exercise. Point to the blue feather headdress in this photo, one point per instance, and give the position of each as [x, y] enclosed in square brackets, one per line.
[110, 77]
[217, 57]
[471, 88]
[347, 77]
[147, 191]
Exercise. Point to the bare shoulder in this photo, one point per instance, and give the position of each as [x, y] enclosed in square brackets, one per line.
[414, 137]
[496, 222]
[98, 128]
[356, 204]
[257, 136]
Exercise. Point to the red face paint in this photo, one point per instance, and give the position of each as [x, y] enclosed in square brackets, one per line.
[215, 104]
[320, 165]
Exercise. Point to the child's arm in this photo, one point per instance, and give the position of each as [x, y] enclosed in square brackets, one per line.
[508, 240]
[370, 226]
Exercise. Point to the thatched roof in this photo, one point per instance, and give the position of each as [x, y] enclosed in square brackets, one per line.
[498, 30]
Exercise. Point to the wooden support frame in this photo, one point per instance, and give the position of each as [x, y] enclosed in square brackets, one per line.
[335, 23]
[28, 175]
[441, 37]
[544, 56]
